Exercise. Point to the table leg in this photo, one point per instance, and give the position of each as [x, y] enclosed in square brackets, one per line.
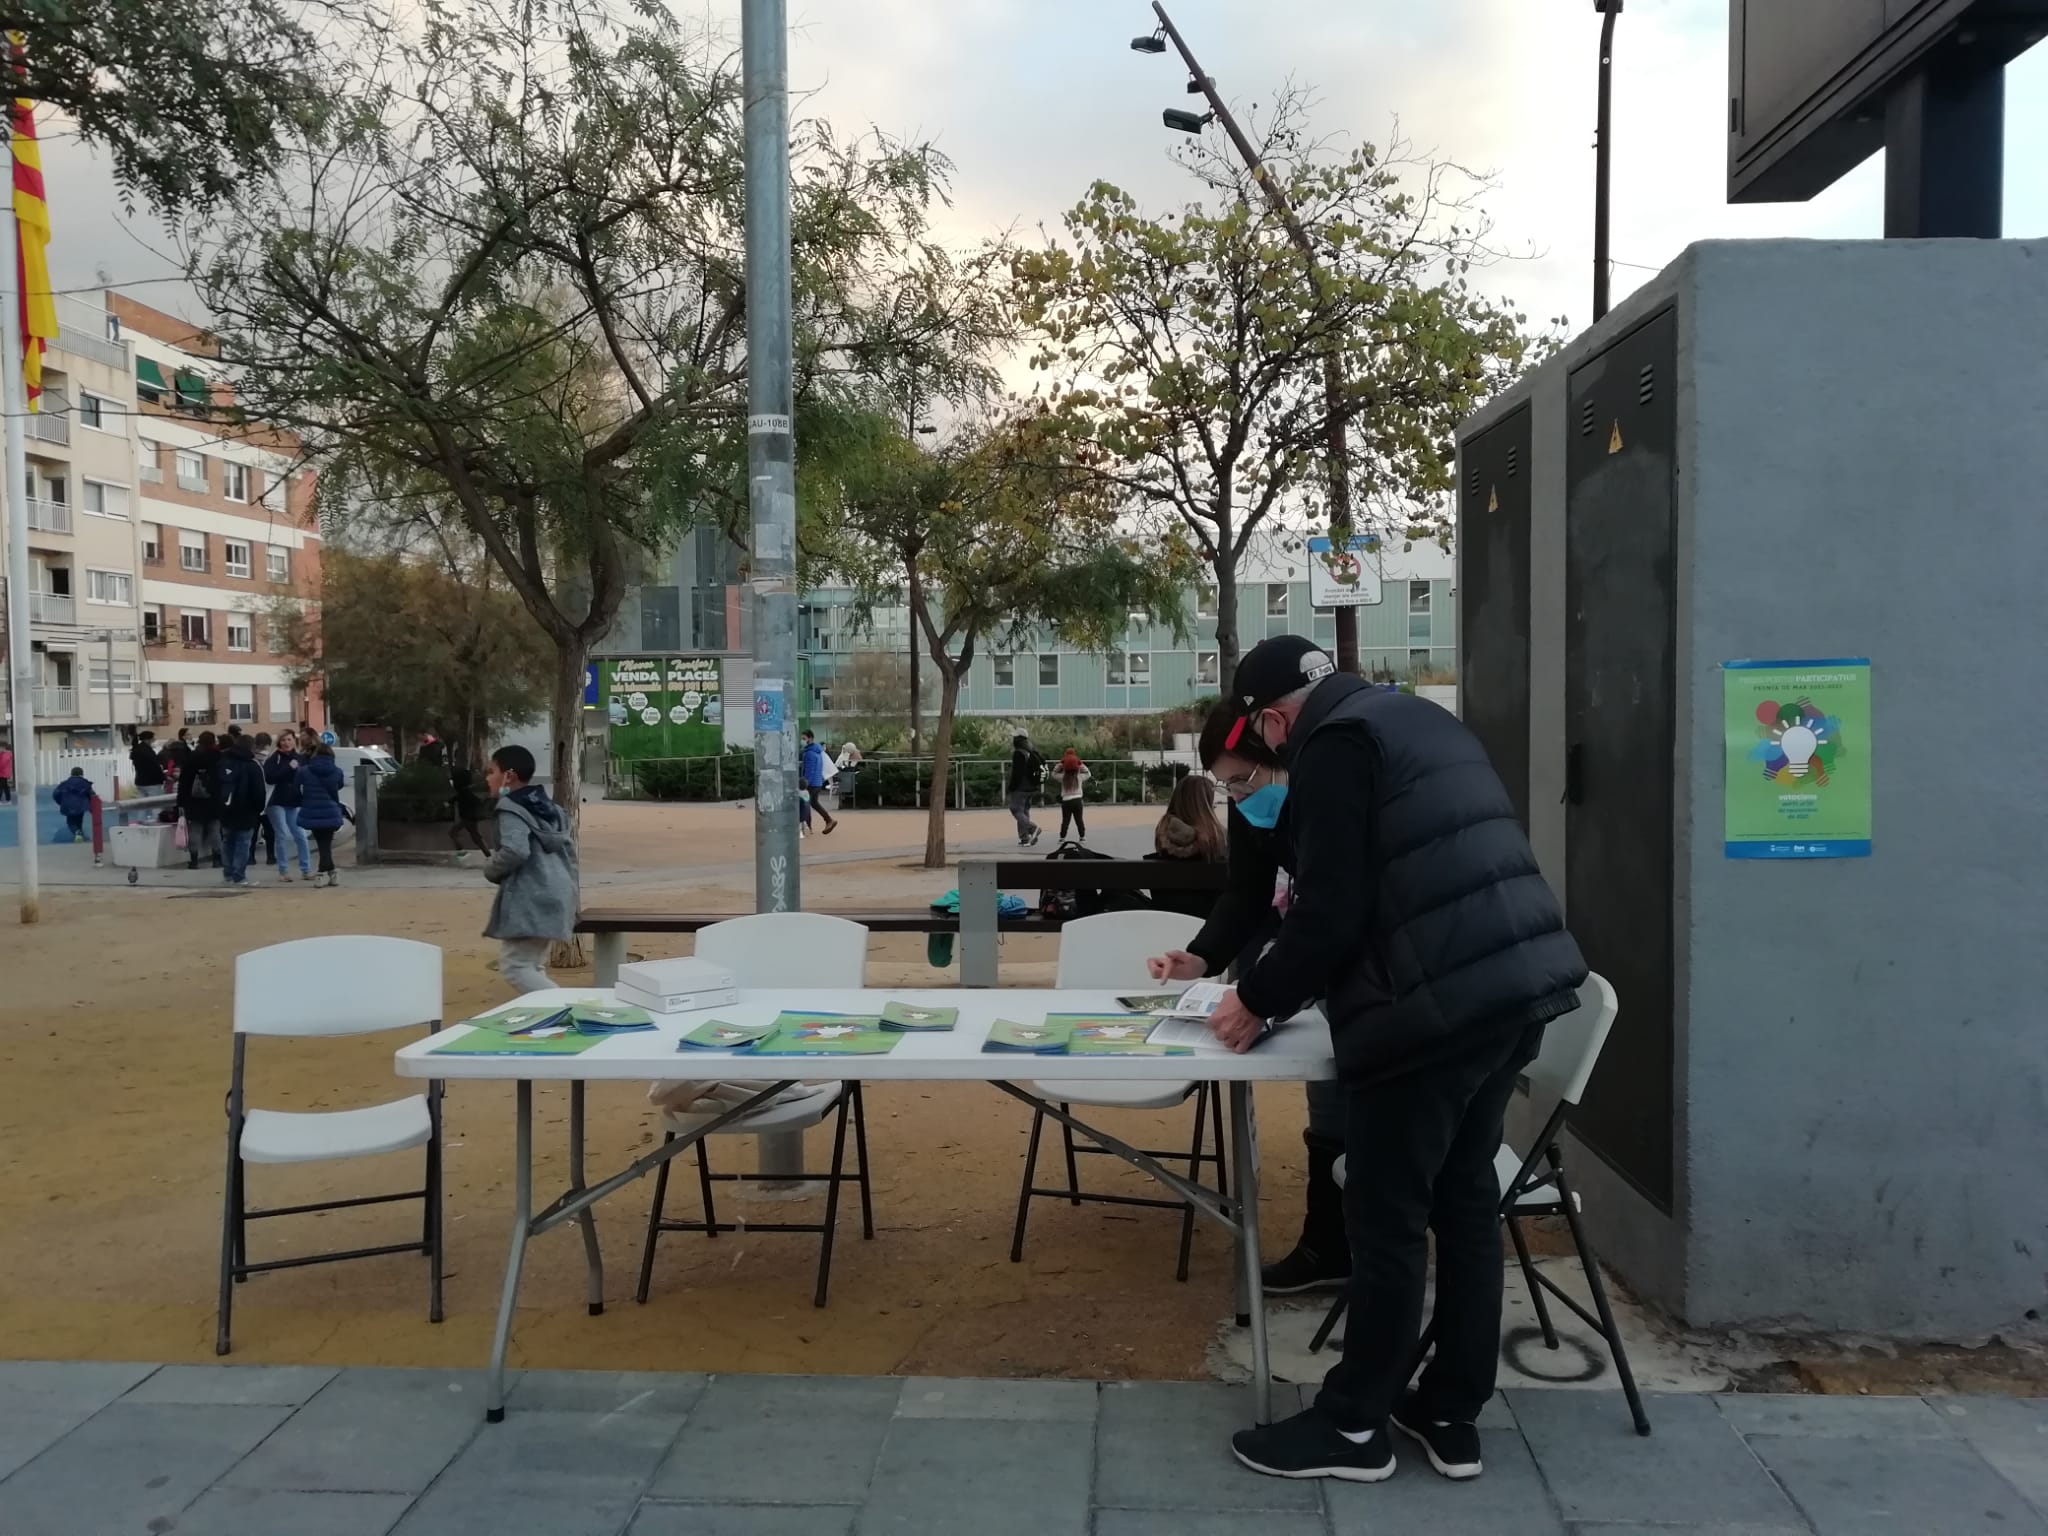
[1245, 1154]
[607, 954]
[522, 1220]
[593, 1258]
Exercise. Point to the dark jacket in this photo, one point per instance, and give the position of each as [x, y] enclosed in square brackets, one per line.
[242, 793]
[1419, 915]
[149, 768]
[281, 773]
[199, 785]
[1027, 771]
[73, 795]
[1242, 921]
[319, 784]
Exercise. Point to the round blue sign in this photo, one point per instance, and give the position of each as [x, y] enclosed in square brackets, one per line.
[327, 738]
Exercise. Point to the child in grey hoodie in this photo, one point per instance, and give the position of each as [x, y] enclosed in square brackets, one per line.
[534, 869]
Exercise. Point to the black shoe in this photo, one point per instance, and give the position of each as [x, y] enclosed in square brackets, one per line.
[1306, 1270]
[1453, 1449]
[1311, 1445]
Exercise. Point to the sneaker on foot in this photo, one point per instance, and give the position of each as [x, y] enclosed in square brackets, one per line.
[1311, 1445]
[1453, 1449]
[1306, 1270]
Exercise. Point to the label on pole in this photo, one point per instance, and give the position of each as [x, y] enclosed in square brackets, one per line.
[770, 714]
[767, 425]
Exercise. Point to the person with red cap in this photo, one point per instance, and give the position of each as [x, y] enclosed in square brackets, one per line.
[1419, 920]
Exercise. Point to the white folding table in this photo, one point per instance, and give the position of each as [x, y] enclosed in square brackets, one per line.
[1296, 1051]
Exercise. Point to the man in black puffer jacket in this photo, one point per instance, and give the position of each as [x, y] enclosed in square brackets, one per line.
[1420, 920]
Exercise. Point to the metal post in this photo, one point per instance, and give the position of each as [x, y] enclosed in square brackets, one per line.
[1337, 446]
[1944, 153]
[20, 658]
[1603, 160]
[980, 924]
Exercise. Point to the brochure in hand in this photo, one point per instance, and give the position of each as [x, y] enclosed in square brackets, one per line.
[1118, 1035]
[1047, 1039]
[717, 1035]
[913, 1018]
[828, 1034]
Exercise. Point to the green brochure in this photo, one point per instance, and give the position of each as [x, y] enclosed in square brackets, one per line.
[827, 1034]
[913, 1017]
[717, 1035]
[1047, 1039]
[509, 1021]
[1128, 1035]
[610, 1018]
[559, 1039]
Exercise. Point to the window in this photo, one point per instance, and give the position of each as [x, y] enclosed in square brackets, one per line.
[96, 412]
[192, 472]
[1205, 601]
[1140, 668]
[241, 701]
[1048, 671]
[235, 481]
[124, 677]
[152, 623]
[277, 639]
[234, 556]
[241, 633]
[281, 701]
[661, 611]
[1118, 677]
[277, 565]
[151, 463]
[152, 544]
[1006, 671]
[159, 705]
[192, 628]
[1418, 661]
[116, 589]
[1418, 610]
[103, 500]
[198, 703]
[1276, 600]
[1207, 673]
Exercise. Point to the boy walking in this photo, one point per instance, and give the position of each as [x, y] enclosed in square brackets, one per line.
[813, 770]
[74, 798]
[534, 869]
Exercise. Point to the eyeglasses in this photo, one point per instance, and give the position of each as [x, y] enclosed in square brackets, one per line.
[1241, 782]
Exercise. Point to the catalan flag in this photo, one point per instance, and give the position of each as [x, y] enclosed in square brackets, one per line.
[32, 232]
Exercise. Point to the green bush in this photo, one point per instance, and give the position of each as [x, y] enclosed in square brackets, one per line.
[730, 777]
[416, 792]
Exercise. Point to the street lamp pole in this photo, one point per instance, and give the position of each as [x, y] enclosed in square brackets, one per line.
[1337, 445]
[1603, 156]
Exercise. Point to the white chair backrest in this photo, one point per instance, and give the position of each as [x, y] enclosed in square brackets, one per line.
[788, 949]
[347, 984]
[1571, 1047]
[1111, 948]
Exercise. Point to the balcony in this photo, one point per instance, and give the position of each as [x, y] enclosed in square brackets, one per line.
[49, 608]
[150, 474]
[155, 639]
[201, 716]
[51, 424]
[46, 516]
[156, 712]
[197, 484]
[152, 557]
[198, 642]
[52, 702]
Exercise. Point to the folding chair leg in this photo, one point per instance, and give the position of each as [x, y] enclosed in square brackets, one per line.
[241, 1222]
[654, 1223]
[1222, 1142]
[704, 1189]
[1073, 1173]
[230, 1194]
[433, 1216]
[1599, 1290]
[1529, 1277]
[1024, 1194]
[860, 1152]
[1187, 1217]
[1330, 1319]
[832, 1202]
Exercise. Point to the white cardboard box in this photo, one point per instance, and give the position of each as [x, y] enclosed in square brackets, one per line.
[676, 986]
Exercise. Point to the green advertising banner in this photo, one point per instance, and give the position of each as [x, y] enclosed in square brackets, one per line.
[1798, 740]
[664, 706]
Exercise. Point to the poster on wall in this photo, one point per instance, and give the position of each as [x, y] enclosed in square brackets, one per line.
[1798, 736]
[664, 706]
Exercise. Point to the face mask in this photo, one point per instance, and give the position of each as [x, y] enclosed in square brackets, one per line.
[1262, 806]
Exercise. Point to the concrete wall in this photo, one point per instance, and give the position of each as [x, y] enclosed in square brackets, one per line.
[1862, 1071]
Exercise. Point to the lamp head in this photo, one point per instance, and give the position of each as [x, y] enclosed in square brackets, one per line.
[1152, 42]
[1185, 122]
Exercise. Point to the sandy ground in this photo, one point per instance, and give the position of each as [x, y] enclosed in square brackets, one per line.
[114, 1052]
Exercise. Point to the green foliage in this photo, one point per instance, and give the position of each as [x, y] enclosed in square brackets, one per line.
[728, 777]
[418, 792]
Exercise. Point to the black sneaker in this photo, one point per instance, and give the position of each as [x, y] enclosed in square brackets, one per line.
[1306, 1270]
[1311, 1445]
[1453, 1449]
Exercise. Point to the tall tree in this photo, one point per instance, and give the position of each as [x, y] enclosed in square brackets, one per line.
[517, 273]
[187, 97]
[1192, 346]
[1006, 529]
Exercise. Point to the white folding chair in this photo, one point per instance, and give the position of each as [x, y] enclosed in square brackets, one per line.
[1110, 951]
[351, 984]
[779, 949]
[1536, 1185]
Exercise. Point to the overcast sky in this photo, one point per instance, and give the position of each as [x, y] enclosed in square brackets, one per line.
[1034, 99]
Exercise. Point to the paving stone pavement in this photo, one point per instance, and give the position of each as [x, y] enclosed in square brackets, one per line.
[136, 1450]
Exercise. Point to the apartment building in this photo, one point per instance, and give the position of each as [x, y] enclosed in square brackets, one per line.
[83, 551]
[226, 537]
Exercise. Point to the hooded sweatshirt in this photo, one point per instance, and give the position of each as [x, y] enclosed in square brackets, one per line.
[534, 868]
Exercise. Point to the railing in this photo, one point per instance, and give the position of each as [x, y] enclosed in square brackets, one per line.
[201, 566]
[200, 716]
[155, 639]
[152, 557]
[903, 782]
[56, 701]
[197, 483]
[156, 713]
[149, 474]
[48, 516]
[198, 642]
[98, 348]
[49, 426]
[49, 608]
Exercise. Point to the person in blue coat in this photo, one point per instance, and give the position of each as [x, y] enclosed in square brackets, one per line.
[814, 772]
[74, 797]
[320, 809]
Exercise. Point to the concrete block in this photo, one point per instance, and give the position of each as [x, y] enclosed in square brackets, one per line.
[937, 1477]
[931, 1398]
[1886, 1486]
[1166, 1445]
[378, 1431]
[1508, 1500]
[738, 1444]
[270, 1512]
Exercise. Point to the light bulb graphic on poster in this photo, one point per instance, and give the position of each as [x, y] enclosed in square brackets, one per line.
[1798, 740]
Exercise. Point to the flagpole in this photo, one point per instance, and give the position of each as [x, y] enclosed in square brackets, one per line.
[20, 659]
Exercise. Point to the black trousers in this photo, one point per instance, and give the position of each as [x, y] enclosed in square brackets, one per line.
[323, 839]
[1071, 811]
[1419, 1154]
